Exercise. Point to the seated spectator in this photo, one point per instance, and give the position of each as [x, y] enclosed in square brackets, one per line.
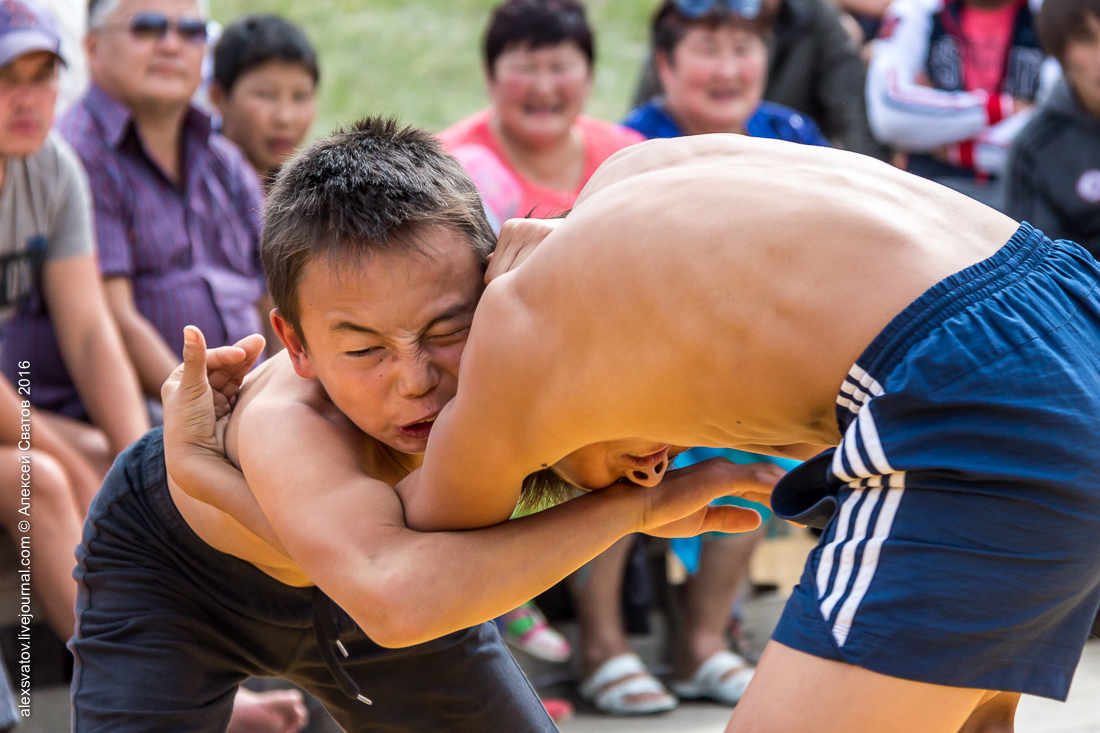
[951, 83]
[1053, 179]
[530, 153]
[538, 57]
[48, 271]
[265, 89]
[814, 67]
[713, 69]
[177, 209]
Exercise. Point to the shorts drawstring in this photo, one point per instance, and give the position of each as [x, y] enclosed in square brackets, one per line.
[326, 625]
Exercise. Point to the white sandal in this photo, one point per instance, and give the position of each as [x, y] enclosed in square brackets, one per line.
[620, 678]
[722, 678]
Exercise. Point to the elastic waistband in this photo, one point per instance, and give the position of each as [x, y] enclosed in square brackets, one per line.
[1020, 256]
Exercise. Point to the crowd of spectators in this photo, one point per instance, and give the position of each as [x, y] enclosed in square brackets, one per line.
[137, 211]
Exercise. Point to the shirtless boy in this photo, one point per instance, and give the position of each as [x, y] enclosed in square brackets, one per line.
[375, 248]
[726, 291]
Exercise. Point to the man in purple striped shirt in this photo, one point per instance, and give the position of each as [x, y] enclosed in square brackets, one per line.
[177, 209]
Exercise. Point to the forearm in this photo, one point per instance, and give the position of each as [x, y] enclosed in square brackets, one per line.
[151, 356]
[108, 386]
[428, 584]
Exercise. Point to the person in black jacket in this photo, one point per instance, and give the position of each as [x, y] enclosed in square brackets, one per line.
[1054, 165]
[813, 67]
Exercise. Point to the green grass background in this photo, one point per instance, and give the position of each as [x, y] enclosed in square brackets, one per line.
[421, 59]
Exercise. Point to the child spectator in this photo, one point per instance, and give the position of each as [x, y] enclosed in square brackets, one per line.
[1054, 166]
[951, 83]
[265, 84]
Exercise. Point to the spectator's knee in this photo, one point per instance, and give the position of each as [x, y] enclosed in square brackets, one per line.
[51, 487]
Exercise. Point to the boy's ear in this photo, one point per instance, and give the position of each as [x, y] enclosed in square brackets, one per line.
[295, 349]
[218, 97]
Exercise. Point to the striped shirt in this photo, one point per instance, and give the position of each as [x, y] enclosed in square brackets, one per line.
[190, 251]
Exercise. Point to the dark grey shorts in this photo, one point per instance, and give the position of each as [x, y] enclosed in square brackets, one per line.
[167, 627]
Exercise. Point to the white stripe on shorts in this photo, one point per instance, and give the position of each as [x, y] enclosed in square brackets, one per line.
[844, 617]
[848, 551]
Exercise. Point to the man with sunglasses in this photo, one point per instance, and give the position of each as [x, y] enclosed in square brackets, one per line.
[177, 206]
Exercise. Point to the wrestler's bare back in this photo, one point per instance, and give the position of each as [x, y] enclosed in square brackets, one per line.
[710, 290]
[274, 389]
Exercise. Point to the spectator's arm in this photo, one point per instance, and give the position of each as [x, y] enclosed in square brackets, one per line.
[840, 89]
[865, 8]
[905, 113]
[92, 350]
[151, 355]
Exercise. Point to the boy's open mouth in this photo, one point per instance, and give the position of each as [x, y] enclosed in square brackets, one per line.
[419, 429]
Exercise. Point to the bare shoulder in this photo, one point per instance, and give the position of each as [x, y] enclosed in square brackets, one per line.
[276, 405]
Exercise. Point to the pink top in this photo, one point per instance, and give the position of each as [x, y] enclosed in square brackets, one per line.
[507, 193]
[988, 34]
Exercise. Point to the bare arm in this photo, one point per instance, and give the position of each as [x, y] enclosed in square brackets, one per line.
[93, 351]
[347, 531]
[152, 357]
[198, 397]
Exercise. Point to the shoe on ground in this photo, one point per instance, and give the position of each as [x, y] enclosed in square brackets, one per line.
[623, 686]
[722, 678]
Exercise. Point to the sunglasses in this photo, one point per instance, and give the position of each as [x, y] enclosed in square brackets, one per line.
[151, 26]
[748, 9]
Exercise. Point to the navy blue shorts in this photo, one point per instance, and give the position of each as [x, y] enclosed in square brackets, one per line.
[168, 627]
[961, 510]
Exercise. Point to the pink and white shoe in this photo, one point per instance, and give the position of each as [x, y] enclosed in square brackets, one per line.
[526, 629]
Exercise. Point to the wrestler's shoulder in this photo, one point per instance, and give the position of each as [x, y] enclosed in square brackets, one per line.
[277, 399]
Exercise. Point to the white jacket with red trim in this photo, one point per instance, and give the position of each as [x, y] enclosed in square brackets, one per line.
[906, 112]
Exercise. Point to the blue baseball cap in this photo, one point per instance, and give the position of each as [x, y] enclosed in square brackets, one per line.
[26, 26]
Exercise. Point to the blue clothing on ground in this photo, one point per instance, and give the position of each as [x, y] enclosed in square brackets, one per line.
[961, 510]
[770, 121]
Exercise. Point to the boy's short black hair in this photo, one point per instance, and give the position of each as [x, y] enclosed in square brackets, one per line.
[371, 187]
[253, 40]
[537, 24]
[670, 26]
[1062, 21]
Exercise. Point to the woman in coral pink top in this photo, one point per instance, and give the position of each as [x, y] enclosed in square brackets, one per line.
[541, 149]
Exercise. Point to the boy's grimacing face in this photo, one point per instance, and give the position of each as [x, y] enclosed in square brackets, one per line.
[385, 334]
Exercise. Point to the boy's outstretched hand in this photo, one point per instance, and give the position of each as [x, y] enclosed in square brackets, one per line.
[198, 397]
[668, 509]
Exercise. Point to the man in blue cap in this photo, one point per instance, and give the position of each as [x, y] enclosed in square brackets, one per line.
[47, 265]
